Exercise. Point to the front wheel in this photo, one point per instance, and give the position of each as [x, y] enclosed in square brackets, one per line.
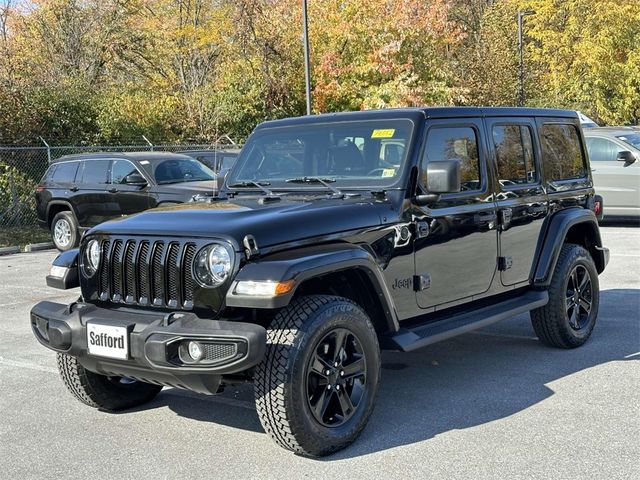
[574, 296]
[100, 391]
[316, 387]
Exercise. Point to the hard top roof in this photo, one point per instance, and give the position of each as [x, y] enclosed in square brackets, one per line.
[429, 112]
[136, 156]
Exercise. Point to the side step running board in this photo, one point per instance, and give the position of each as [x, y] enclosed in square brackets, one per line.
[408, 339]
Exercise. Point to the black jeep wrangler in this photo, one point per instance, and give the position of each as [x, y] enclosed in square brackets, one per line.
[335, 236]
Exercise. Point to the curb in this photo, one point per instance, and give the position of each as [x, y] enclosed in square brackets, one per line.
[9, 250]
[36, 247]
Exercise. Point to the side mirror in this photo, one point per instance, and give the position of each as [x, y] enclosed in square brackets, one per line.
[135, 179]
[442, 177]
[626, 157]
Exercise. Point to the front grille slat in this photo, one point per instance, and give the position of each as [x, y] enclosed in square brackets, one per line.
[173, 282]
[129, 272]
[147, 272]
[143, 273]
[157, 270]
[116, 271]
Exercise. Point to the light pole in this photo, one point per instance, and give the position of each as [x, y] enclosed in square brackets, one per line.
[521, 15]
[307, 66]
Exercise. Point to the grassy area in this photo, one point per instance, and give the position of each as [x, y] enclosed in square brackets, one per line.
[21, 236]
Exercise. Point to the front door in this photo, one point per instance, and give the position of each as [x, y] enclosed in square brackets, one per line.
[456, 244]
[126, 199]
[520, 197]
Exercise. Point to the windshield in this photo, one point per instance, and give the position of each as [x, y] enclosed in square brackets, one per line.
[178, 170]
[632, 139]
[351, 154]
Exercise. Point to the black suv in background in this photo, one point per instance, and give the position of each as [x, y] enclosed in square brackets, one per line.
[335, 236]
[80, 191]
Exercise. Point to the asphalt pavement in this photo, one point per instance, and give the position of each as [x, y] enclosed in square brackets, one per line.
[492, 404]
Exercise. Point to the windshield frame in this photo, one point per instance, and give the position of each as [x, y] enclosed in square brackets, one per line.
[280, 185]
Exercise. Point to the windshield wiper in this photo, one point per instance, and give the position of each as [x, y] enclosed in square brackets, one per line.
[251, 183]
[260, 185]
[323, 181]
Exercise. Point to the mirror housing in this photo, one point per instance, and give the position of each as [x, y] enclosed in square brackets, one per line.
[135, 179]
[442, 177]
[626, 157]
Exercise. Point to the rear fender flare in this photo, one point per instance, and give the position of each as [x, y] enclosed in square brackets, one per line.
[555, 235]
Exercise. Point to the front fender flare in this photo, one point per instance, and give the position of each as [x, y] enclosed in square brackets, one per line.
[305, 263]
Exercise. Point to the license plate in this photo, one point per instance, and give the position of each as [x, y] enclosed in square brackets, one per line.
[108, 341]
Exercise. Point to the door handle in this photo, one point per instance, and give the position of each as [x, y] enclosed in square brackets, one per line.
[484, 217]
[74, 188]
[113, 190]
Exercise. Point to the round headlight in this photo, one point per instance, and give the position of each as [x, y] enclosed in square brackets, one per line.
[212, 265]
[92, 254]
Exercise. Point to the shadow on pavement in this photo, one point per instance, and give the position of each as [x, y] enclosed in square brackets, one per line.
[467, 381]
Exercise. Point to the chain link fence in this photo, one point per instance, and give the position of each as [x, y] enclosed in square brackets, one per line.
[22, 168]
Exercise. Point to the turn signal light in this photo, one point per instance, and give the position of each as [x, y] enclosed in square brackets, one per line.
[266, 288]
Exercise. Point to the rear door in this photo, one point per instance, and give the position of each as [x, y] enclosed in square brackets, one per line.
[91, 200]
[617, 182]
[457, 250]
[521, 199]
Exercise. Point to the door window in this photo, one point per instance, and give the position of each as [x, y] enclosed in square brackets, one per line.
[602, 150]
[514, 154]
[121, 169]
[65, 172]
[561, 153]
[455, 143]
[95, 171]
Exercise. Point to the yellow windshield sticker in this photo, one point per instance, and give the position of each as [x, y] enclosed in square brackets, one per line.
[389, 172]
[383, 133]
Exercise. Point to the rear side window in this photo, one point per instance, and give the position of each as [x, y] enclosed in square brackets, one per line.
[514, 152]
[561, 153]
[65, 172]
[95, 171]
[456, 143]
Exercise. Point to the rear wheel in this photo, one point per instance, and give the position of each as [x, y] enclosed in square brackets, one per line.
[316, 387]
[64, 231]
[574, 295]
[101, 391]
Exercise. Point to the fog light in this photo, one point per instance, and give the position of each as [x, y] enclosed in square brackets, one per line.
[195, 351]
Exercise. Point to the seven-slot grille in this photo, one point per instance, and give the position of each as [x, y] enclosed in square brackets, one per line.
[147, 272]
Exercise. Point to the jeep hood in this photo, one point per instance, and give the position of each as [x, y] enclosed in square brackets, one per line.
[270, 223]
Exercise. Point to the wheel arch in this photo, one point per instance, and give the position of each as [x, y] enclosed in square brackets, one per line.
[342, 270]
[56, 206]
[575, 225]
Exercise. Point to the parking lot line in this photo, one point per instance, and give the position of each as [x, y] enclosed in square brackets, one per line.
[27, 365]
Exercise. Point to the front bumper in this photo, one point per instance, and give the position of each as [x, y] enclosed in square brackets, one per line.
[156, 344]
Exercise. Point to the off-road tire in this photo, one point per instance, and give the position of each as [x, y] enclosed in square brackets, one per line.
[100, 391]
[73, 226]
[280, 379]
[551, 322]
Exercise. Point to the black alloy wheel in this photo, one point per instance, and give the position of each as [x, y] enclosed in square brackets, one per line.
[579, 297]
[336, 377]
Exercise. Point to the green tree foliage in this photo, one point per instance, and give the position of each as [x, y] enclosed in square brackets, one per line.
[176, 70]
